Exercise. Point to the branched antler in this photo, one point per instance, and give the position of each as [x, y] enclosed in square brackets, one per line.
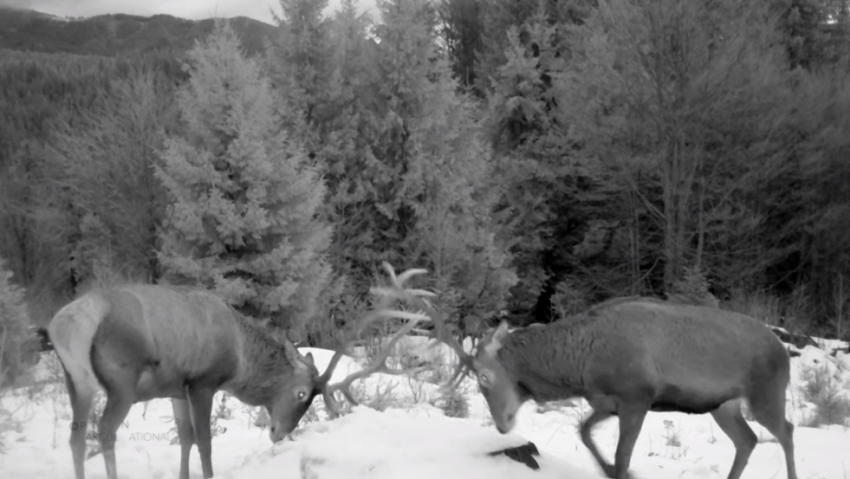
[466, 362]
[379, 364]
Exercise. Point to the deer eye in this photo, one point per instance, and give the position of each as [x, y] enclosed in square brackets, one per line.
[483, 380]
[301, 395]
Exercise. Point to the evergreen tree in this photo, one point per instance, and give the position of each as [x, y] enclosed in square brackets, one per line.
[550, 193]
[243, 219]
[462, 28]
[301, 68]
[347, 145]
[436, 193]
[653, 87]
[107, 157]
[13, 326]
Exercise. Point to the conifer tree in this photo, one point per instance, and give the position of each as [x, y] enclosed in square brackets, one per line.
[13, 323]
[435, 191]
[107, 159]
[243, 220]
[683, 98]
[300, 68]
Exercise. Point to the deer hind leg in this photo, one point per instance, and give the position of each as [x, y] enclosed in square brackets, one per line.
[768, 408]
[81, 399]
[200, 402]
[728, 416]
[119, 400]
[120, 381]
[599, 414]
[631, 421]
[186, 433]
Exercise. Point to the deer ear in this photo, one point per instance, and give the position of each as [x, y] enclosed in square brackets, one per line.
[501, 332]
[292, 354]
[309, 358]
[496, 339]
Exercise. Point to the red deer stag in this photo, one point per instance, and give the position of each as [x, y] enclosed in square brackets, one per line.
[140, 342]
[633, 355]
[629, 356]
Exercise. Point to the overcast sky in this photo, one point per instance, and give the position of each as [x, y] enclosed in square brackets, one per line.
[192, 9]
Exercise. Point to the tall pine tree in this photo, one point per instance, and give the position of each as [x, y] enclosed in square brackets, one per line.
[301, 68]
[243, 219]
[13, 323]
[435, 194]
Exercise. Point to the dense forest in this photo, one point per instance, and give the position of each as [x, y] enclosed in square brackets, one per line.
[536, 157]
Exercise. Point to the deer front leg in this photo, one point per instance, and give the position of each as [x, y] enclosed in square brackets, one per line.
[631, 421]
[587, 426]
[185, 432]
[200, 402]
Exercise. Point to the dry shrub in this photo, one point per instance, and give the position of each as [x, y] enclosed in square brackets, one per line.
[827, 394]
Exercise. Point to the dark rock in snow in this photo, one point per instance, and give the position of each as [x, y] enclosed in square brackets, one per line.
[524, 454]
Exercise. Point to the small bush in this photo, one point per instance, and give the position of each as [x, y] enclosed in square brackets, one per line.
[543, 408]
[261, 418]
[93, 421]
[8, 422]
[673, 441]
[382, 399]
[223, 411]
[693, 285]
[671, 435]
[569, 299]
[454, 404]
[790, 313]
[13, 328]
[825, 392]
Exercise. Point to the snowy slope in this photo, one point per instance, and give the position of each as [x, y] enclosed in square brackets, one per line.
[415, 439]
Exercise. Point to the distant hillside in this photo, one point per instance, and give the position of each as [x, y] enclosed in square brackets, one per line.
[117, 34]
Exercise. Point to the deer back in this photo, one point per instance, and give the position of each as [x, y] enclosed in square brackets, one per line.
[188, 333]
[647, 341]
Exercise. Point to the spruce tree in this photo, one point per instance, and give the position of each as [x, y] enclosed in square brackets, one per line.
[436, 192]
[13, 326]
[243, 220]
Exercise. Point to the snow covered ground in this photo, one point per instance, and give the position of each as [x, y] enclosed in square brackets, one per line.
[414, 439]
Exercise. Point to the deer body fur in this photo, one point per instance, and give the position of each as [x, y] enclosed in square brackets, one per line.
[629, 356]
[139, 342]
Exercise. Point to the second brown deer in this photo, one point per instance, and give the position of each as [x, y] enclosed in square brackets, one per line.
[138, 342]
[630, 356]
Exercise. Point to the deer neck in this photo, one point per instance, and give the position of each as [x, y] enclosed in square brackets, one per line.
[263, 367]
[547, 362]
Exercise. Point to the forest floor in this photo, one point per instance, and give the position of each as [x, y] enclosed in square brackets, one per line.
[406, 433]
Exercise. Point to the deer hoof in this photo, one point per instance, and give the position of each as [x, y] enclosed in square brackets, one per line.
[611, 473]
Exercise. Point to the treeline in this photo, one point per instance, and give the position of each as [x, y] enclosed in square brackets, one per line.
[536, 157]
[116, 34]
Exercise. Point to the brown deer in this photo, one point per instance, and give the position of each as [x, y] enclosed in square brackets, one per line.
[139, 342]
[629, 356]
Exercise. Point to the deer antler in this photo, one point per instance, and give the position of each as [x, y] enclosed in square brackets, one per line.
[466, 362]
[382, 310]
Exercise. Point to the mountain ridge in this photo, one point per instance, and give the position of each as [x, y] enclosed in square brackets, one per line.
[117, 33]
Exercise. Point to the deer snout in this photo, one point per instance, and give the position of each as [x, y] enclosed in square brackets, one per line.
[505, 426]
[276, 434]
